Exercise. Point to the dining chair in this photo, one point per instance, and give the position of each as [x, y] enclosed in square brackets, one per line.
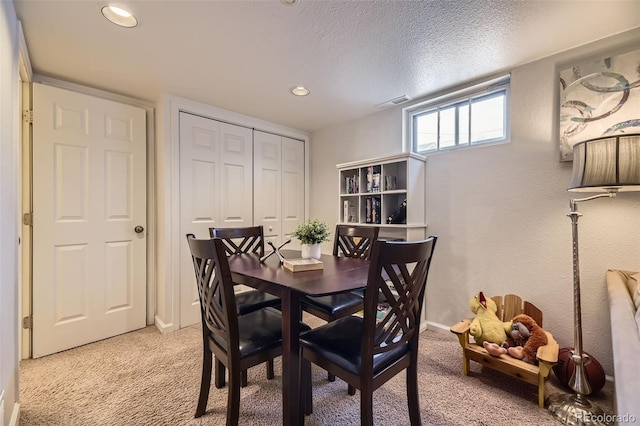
[237, 341]
[349, 241]
[367, 351]
[244, 240]
[240, 241]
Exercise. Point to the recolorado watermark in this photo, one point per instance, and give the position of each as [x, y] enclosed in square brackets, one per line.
[607, 418]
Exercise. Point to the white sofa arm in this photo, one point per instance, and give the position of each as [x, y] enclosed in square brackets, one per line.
[625, 338]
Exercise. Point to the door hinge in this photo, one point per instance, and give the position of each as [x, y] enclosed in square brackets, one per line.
[27, 116]
[27, 219]
[27, 323]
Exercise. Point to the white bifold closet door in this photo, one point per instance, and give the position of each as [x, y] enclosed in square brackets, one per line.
[279, 179]
[216, 190]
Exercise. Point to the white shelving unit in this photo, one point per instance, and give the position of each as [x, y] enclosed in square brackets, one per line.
[372, 190]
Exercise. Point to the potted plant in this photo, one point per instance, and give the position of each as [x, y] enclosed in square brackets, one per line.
[311, 234]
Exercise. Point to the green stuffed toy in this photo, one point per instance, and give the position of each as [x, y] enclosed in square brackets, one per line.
[486, 326]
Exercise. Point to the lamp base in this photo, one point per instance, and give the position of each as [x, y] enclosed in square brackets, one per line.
[575, 410]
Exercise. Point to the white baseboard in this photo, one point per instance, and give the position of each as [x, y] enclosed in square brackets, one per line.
[439, 328]
[438, 325]
[162, 327]
[15, 415]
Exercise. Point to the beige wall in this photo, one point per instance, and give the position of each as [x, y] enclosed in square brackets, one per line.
[500, 211]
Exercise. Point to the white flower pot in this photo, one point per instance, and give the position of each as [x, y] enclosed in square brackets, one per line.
[311, 251]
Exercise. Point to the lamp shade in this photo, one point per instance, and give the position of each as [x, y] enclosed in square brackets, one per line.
[606, 163]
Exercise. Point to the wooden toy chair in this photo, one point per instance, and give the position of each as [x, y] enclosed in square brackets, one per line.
[547, 356]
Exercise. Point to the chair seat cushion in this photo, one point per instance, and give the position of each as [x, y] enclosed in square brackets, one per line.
[358, 292]
[332, 303]
[252, 300]
[340, 341]
[259, 331]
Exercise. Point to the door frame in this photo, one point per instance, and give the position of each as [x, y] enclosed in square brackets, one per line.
[26, 177]
[168, 196]
[24, 200]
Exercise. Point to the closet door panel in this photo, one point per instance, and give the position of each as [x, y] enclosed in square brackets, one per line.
[267, 157]
[292, 185]
[236, 184]
[198, 198]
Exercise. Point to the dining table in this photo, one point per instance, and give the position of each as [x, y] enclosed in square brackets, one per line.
[338, 274]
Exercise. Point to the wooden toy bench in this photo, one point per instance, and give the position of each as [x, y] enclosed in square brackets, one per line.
[547, 356]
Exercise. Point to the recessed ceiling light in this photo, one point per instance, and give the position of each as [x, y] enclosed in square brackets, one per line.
[119, 16]
[299, 91]
[289, 2]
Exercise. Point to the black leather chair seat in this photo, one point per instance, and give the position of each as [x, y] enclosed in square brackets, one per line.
[259, 331]
[358, 292]
[340, 342]
[333, 303]
[248, 301]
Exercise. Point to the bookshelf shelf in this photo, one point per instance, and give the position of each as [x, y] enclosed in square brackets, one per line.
[387, 192]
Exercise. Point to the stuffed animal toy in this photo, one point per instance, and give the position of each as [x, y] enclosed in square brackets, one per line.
[486, 326]
[525, 337]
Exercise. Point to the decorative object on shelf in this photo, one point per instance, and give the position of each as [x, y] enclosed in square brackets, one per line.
[399, 215]
[607, 165]
[298, 265]
[598, 98]
[312, 233]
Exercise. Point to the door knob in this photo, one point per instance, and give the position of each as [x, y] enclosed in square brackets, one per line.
[139, 229]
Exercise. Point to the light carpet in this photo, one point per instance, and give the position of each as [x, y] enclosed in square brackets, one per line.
[148, 378]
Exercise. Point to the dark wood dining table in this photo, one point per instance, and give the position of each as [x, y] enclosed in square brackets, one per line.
[339, 274]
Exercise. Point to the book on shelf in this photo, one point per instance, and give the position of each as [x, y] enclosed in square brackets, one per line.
[372, 210]
[299, 264]
[373, 176]
[352, 184]
[390, 183]
[375, 182]
[349, 211]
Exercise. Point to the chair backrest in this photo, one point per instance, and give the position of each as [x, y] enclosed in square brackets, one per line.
[512, 305]
[215, 290]
[354, 241]
[399, 272]
[249, 239]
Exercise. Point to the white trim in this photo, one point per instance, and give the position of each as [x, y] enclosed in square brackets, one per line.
[15, 415]
[164, 328]
[26, 72]
[438, 325]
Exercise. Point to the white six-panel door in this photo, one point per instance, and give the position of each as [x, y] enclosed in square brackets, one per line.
[215, 191]
[89, 195]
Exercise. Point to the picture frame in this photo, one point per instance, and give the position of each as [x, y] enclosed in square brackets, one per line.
[599, 97]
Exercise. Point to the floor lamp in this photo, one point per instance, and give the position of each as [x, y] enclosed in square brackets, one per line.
[607, 165]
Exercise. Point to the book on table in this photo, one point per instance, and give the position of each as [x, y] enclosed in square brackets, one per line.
[299, 264]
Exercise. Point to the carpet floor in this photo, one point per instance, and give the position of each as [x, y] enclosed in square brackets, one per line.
[148, 378]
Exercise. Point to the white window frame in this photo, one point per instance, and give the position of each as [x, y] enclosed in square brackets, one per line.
[451, 99]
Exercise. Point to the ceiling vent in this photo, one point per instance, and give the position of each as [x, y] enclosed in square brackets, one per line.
[395, 101]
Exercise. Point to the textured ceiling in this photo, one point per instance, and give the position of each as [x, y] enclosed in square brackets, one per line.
[353, 55]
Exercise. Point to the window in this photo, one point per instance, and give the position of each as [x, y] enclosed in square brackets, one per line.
[472, 116]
